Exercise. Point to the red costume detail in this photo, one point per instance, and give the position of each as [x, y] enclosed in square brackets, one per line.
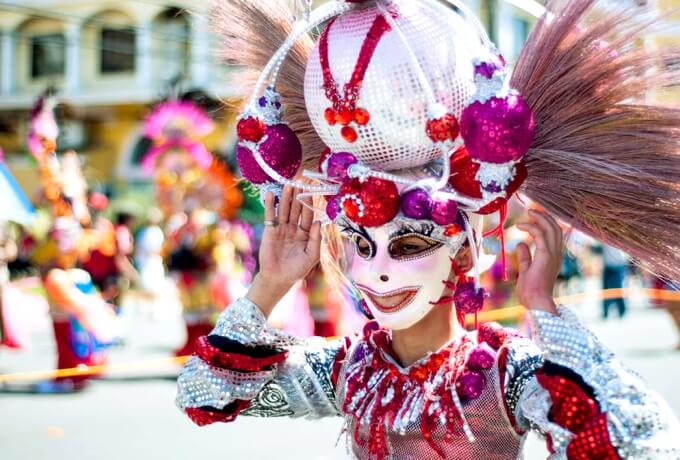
[493, 334]
[577, 412]
[235, 361]
[464, 180]
[202, 417]
[344, 110]
[443, 129]
[380, 199]
[349, 134]
[381, 415]
[250, 129]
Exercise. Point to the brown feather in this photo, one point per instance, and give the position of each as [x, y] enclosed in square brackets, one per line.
[606, 157]
[251, 31]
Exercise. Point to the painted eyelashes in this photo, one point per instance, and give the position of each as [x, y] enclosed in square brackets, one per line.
[398, 247]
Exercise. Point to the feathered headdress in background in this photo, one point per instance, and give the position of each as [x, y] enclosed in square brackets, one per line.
[187, 173]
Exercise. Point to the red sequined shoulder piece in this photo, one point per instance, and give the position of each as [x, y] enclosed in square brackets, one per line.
[495, 335]
[573, 409]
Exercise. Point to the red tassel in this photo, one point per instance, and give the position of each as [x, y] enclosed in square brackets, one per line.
[442, 301]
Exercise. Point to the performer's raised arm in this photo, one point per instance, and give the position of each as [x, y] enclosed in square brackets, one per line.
[244, 365]
[565, 383]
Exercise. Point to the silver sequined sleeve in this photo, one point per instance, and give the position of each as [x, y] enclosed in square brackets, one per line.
[640, 424]
[299, 386]
[522, 360]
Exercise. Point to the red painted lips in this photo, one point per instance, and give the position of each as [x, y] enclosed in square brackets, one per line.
[390, 302]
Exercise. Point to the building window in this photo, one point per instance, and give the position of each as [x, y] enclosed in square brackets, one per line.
[118, 50]
[48, 53]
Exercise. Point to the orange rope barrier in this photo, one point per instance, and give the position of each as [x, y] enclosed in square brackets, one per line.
[90, 370]
[515, 312]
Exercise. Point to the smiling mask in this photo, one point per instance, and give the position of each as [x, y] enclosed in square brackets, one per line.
[399, 268]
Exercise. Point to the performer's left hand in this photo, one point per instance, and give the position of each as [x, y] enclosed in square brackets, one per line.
[538, 273]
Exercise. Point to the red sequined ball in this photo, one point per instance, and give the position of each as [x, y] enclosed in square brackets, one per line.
[443, 129]
[250, 129]
[371, 203]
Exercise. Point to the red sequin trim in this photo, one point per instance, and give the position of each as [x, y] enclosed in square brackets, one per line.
[203, 417]
[593, 442]
[235, 361]
[339, 360]
[383, 415]
[574, 410]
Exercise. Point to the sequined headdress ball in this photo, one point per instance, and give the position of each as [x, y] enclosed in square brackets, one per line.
[404, 109]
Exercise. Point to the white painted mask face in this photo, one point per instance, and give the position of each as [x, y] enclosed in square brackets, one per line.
[398, 268]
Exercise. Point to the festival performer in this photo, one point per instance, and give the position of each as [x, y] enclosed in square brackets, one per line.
[17, 208]
[84, 324]
[426, 131]
[194, 190]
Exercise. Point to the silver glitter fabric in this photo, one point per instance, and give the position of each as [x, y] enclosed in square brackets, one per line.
[640, 424]
[493, 433]
[244, 323]
[522, 360]
[301, 386]
[201, 384]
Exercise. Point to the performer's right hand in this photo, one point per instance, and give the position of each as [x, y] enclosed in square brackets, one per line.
[290, 248]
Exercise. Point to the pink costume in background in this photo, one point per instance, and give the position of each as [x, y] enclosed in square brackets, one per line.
[194, 190]
[84, 324]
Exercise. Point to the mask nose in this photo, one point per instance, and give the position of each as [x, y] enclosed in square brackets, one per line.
[384, 278]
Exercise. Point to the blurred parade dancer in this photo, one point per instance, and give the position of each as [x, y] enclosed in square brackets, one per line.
[614, 266]
[100, 262]
[148, 259]
[194, 190]
[233, 267]
[190, 248]
[14, 207]
[84, 324]
[426, 131]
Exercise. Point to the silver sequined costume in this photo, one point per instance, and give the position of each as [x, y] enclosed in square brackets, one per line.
[640, 425]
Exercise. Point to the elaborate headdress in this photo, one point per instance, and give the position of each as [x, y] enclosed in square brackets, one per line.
[63, 186]
[196, 175]
[410, 112]
[62, 180]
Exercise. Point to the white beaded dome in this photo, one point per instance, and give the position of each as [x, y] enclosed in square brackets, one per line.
[395, 137]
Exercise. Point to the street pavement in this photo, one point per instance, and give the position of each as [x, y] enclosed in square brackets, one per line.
[132, 415]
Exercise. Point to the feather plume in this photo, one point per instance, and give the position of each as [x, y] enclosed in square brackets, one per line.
[606, 157]
[251, 31]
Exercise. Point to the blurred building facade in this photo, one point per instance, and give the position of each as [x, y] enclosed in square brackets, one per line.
[669, 35]
[109, 62]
